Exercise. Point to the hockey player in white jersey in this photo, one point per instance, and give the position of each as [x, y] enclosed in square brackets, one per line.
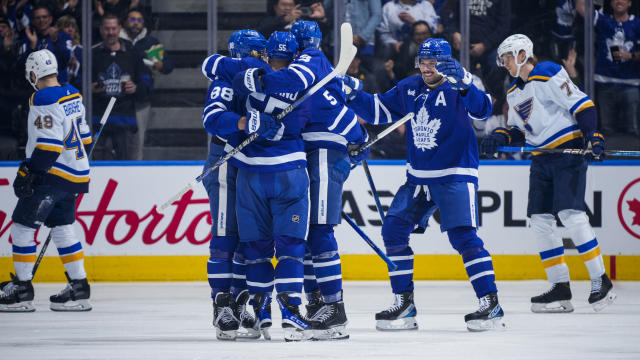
[547, 110]
[55, 170]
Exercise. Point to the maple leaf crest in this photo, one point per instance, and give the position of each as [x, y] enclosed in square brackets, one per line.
[634, 206]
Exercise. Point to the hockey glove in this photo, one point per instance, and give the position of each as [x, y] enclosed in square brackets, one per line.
[490, 144]
[351, 86]
[459, 78]
[356, 155]
[263, 124]
[248, 81]
[24, 184]
[595, 142]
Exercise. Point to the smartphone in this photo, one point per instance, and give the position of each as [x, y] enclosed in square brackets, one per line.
[613, 49]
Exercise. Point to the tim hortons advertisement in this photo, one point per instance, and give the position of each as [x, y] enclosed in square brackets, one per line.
[118, 215]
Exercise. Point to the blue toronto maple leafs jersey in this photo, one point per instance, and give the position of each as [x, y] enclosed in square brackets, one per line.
[332, 125]
[441, 143]
[626, 36]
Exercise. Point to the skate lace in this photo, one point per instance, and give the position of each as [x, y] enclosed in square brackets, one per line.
[325, 314]
[244, 314]
[485, 303]
[596, 285]
[63, 291]
[226, 316]
[9, 289]
[397, 304]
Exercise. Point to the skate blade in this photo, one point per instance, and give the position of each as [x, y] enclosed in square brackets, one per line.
[486, 325]
[24, 306]
[606, 301]
[248, 333]
[229, 335]
[265, 333]
[78, 305]
[563, 306]
[408, 323]
[294, 334]
[334, 333]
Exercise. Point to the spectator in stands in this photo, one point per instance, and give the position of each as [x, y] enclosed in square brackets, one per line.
[8, 136]
[364, 16]
[369, 83]
[397, 18]
[118, 71]
[489, 24]
[68, 24]
[18, 13]
[155, 58]
[117, 7]
[71, 8]
[44, 36]
[404, 63]
[617, 74]
[281, 15]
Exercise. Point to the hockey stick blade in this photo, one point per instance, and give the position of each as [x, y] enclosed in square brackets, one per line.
[626, 153]
[383, 133]
[373, 245]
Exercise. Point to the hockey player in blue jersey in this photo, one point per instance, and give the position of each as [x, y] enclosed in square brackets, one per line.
[546, 109]
[442, 173]
[332, 129]
[55, 170]
[226, 265]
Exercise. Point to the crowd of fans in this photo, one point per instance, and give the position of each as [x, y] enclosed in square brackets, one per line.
[387, 33]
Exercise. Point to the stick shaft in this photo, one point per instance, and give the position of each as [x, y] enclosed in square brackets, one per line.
[365, 166]
[366, 239]
[386, 132]
[629, 153]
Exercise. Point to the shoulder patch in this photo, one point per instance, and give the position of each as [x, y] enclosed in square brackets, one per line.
[544, 71]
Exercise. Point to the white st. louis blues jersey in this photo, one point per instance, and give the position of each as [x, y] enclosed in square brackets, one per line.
[58, 133]
[544, 107]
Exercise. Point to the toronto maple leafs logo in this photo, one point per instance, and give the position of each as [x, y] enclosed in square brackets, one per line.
[424, 130]
[629, 208]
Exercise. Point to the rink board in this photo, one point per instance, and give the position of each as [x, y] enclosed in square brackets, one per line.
[125, 238]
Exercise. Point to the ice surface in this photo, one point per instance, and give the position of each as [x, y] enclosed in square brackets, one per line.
[173, 321]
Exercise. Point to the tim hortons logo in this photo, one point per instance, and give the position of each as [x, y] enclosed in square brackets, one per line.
[629, 208]
[130, 221]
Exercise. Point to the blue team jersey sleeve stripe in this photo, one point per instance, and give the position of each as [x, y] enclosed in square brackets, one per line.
[85, 135]
[70, 170]
[48, 141]
[337, 120]
[578, 103]
[353, 122]
[305, 69]
[559, 134]
[302, 77]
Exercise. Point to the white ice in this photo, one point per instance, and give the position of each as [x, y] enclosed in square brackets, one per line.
[173, 321]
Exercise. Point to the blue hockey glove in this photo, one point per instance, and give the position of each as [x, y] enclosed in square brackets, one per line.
[356, 155]
[23, 185]
[459, 78]
[263, 124]
[351, 86]
[248, 81]
[490, 144]
[595, 141]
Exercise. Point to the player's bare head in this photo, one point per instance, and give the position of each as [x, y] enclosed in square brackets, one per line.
[514, 52]
[430, 52]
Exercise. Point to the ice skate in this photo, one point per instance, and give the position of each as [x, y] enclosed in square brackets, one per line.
[555, 300]
[248, 328]
[330, 323]
[400, 316]
[602, 294]
[225, 322]
[74, 297]
[488, 316]
[16, 296]
[295, 326]
[262, 309]
[315, 304]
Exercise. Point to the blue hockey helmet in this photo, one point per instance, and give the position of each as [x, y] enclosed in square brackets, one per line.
[435, 48]
[281, 45]
[307, 34]
[243, 42]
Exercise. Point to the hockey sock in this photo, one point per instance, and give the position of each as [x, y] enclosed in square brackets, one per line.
[310, 283]
[239, 282]
[219, 266]
[290, 268]
[326, 262]
[70, 251]
[24, 250]
[550, 247]
[577, 224]
[477, 260]
[260, 275]
[395, 232]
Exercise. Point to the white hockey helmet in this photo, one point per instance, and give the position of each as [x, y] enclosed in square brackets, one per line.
[514, 44]
[41, 63]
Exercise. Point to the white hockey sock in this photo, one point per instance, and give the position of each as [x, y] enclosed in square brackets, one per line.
[550, 247]
[577, 224]
[70, 251]
[24, 250]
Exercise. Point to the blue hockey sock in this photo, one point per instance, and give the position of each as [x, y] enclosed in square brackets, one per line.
[290, 268]
[310, 283]
[477, 260]
[239, 282]
[395, 232]
[219, 264]
[258, 255]
[329, 276]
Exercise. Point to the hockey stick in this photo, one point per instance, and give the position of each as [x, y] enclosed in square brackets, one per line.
[347, 54]
[103, 120]
[383, 133]
[628, 153]
[375, 248]
[365, 166]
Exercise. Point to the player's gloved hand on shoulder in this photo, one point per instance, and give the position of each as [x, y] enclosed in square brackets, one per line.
[263, 124]
[356, 155]
[490, 144]
[24, 184]
[595, 142]
[248, 81]
[459, 78]
[351, 86]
